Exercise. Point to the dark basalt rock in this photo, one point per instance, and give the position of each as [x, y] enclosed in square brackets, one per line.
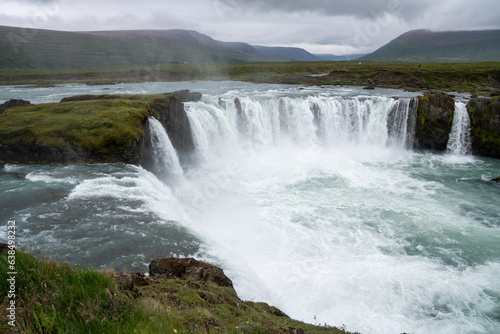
[434, 120]
[484, 117]
[241, 121]
[186, 96]
[3, 247]
[172, 115]
[190, 268]
[13, 103]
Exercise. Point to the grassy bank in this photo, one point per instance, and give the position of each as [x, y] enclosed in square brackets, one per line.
[105, 128]
[55, 297]
[101, 125]
[481, 77]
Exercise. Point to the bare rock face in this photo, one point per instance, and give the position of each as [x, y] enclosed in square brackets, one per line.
[189, 268]
[174, 119]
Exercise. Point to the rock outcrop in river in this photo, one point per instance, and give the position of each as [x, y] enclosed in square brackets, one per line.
[485, 126]
[92, 128]
[434, 120]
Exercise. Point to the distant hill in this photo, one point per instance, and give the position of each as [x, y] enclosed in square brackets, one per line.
[288, 52]
[330, 57]
[48, 49]
[447, 46]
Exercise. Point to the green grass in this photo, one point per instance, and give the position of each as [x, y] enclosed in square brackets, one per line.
[444, 76]
[55, 297]
[102, 128]
[99, 125]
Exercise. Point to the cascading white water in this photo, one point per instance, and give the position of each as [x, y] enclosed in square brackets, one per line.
[210, 128]
[401, 123]
[331, 121]
[166, 160]
[459, 142]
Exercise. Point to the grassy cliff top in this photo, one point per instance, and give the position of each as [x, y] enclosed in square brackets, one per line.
[97, 126]
[54, 297]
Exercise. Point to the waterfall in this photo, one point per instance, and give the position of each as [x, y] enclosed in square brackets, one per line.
[166, 161]
[401, 123]
[305, 121]
[459, 142]
[211, 127]
[297, 120]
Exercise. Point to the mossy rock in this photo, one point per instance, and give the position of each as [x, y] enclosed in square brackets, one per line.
[434, 120]
[484, 116]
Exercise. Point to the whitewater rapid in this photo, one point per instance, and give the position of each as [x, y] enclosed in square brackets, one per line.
[310, 199]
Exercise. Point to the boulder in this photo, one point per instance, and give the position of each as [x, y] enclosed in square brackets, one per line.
[3, 247]
[189, 268]
[434, 120]
[131, 281]
[496, 180]
[186, 96]
[13, 103]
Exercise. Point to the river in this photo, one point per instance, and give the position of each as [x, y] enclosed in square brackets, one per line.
[310, 199]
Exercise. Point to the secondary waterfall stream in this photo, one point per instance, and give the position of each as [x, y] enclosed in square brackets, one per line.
[166, 159]
[309, 199]
[459, 142]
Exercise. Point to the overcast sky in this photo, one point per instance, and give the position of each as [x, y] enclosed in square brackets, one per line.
[319, 26]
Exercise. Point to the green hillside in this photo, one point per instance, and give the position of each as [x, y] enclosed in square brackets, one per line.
[452, 46]
[55, 50]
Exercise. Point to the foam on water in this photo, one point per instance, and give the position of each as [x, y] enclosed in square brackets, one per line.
[353, 241]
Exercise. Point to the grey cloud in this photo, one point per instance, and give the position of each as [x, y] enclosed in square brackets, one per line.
[34, 1]
[361, 25]
[407, 9]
